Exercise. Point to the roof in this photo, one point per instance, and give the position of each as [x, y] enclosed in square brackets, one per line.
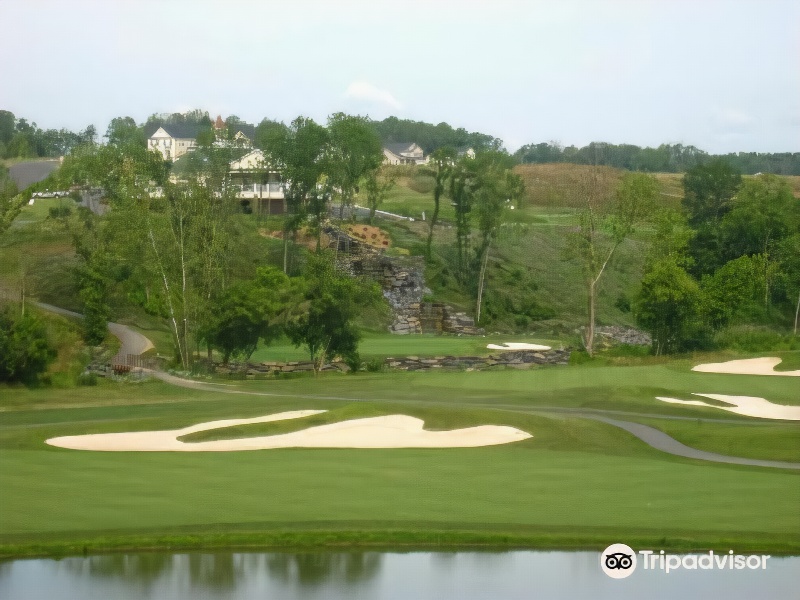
[400, 147]
[249, 131]
[181, 130]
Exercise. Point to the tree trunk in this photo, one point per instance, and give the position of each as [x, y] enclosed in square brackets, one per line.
[285, 251]
[481, 277]
[432, 224]
[588, 340]
[796, 314]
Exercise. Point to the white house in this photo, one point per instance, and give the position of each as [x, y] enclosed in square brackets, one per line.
[256, 182]
[403, 153]
[173, 141]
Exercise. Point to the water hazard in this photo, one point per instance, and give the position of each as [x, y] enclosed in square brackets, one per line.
[376, 575]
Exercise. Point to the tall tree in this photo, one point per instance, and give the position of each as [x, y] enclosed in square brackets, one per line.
[603, 227]
[300, 152]
[355, 151]
[440, 166]
[495, 189]
[377, 186]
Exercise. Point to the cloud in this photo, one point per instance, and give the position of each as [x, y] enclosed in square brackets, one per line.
[361, 90]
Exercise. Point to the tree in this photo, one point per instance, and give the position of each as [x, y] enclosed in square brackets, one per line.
[10, 202]
[7, 125]
[462, 185]
[377, 186]
[332, 302]
[733, 292]
[268, 134]
[24, 348]
[603, 227]
[667, 306]
[250, 311]
[123, 132]
[355, 151]
[495, 188]
[300, 152]
[440, 166]
[762, 214]
[708, 190]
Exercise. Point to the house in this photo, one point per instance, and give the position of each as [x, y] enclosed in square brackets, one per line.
[173, 141]
[403, 153]
[467, 151]
[242, 134]
[257, 184]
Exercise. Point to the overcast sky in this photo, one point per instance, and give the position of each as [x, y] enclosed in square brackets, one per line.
[721, 75]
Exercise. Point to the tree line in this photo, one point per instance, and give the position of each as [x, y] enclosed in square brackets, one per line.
[21, 139]
[667, 158]
[730, 257]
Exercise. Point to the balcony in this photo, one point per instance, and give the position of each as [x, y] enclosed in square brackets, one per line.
[265, 191]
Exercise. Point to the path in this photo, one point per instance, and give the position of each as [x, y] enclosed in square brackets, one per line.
[132, 341]
[135, 343]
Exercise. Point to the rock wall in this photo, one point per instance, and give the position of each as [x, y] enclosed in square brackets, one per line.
[402, 280]
[521, 359]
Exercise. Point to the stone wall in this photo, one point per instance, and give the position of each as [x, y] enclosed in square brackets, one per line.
[402, 280]
[520, 359]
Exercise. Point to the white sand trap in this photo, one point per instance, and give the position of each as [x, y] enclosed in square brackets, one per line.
[750, 406]
[517, 346]
[747, 366]
[392, 431]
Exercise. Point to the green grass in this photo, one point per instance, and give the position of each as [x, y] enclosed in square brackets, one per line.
[389, 345]
[576, 483]
[770, 441]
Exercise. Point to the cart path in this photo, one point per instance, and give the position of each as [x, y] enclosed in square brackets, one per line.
[134, 342]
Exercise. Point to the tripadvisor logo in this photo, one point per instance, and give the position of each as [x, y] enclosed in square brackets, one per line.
[618, 561]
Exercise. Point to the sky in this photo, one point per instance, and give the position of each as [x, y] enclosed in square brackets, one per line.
[720, 75]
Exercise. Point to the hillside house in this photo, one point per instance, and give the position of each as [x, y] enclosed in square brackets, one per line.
[403, 153]
[173, 141]
[242, 135]
[257, 184]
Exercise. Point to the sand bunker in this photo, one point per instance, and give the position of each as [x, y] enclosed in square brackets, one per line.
[517, 346]
[748, 366]
[391, 431]
[750, 406]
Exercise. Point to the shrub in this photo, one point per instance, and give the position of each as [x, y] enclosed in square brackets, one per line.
[24, 348]
[422, 184]
[87, 379]
[374, 365]
[57, 212]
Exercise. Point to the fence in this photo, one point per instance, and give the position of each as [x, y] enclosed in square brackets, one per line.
[123, 364]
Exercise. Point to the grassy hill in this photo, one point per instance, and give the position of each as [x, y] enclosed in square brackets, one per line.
[532, 285]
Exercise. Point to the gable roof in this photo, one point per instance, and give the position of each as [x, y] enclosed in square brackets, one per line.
[249, 131]
[400, 147]
[180, 131]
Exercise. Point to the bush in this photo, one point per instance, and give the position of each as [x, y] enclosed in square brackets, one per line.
[755, 339]
[422, 184]
[57, 212]
[88, 379]
[374, 365]
[24, 348]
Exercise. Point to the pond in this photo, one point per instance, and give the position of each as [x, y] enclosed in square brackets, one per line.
[378, 576]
